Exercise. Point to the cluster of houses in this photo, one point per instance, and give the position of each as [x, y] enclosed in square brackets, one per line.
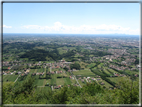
[122, 75]
[58, 72]
[117, 51]
[11, 63]
[6, 72]
[88, 79]
[117, 67]
[121, 68]
[60, 64]
[57, 87]
[25, 72]
[71, 77]
[60, 86]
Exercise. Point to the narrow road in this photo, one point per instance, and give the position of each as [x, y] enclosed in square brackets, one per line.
[76, 80]
[17, 78]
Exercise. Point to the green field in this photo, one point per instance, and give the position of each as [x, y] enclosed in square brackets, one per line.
[99, 66]
[40, 82]
[48, 81]
[60, 81]
[61, 51]
[91, 65]
[113, 71]
[83, 64]
[84, 72]
[115, 79]
[40, 70]
[33, 70]
[60, 75]
[53, 79]
[107, 85]
[9, 78]
[81, 83]
[67, 81]
[46, 88]
[73, 81]
[39, 89]
[131, 72]
[67, 73]
[106, 72]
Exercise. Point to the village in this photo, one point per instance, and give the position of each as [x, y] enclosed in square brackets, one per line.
[58, 75]
[103, 60]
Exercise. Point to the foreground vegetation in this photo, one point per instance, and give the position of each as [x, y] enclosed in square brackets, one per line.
[91, 93]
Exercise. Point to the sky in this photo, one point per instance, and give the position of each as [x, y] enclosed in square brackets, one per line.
[72, 18]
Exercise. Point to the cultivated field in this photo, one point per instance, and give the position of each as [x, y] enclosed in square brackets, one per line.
[9, 78]
[85, 72]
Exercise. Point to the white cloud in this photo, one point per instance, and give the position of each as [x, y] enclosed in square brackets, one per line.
[58, 27]
[7, 26]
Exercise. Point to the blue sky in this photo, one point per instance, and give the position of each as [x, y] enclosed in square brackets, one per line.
[72, 18]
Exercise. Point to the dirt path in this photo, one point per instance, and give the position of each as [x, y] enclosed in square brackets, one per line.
[86, 80]
[76, 80]
[17, 78]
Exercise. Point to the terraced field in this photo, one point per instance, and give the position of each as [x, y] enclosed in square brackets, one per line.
[115, 79]
[107, 85]
[107, 72]
[91, 65]
[84, 72]
[113, 71]
[99, 66]
[131, 72]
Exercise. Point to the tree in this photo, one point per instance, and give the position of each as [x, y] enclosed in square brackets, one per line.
[128, 91]
[65, 68]
[75, 66]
